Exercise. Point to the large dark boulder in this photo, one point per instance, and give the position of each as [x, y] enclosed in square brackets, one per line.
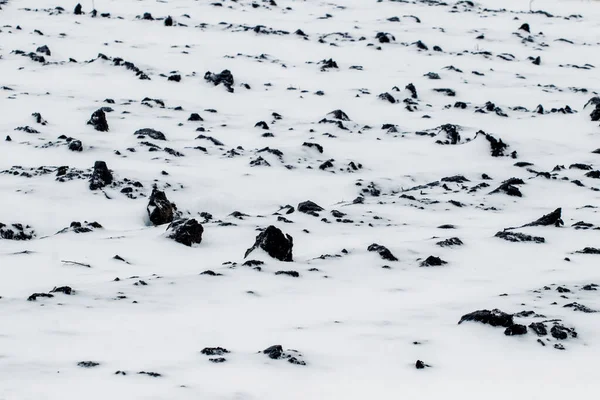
[152, 133]
[309, 207]
[101, 176]
[273, 241]
[160, 209]
[98, 121]
[186, 231]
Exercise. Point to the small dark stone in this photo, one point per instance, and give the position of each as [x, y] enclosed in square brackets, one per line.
[309, 207]
[174, 78]
[87, 364]
[154, 134]
[589, 250]
[225, 77]
[420, 365]
[519, 237]
[62, 289]
[274, 352]
[387, 97]
[450, 242]
[44, 50]
[34, 296]
[293, 274]
[78, 10]
[214, 351]
[169, 21]
[195, 117]
[525, 27]
[539, 328]
[218, 360]
[75, 145]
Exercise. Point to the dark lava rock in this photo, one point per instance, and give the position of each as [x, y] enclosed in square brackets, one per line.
[44, 50]
[275, 243]
[421, 365]
[515, 329]
[561, 332]
[274, 352]
[508, 187]
[16, 232]
[309, 207]
[101, 176]
[539, 328]
[455, 179]
[387, 97]
[413, 91]
[98, 121]
[195, 117]
[87, 364]
[261, 124]
[225, 78]
[154, 134]
[519, 237]
[589, 250]
[315, 145]
[34, 296]
[554, 218]
[593, 174]
[580, 307]
[78, 10]
[218, 360]
[451, 132]
[169, 21]
[75, 145]
[214, 351]
[186, 231]
[493, 318]
[525, 27]
[339, 114]
[293, 274]
[497, 145]
[450, 242]
[151, 374]
[174, 78]
[63, 289]
[433, 261]
[383, 252]
[446, 91]
[160, 209]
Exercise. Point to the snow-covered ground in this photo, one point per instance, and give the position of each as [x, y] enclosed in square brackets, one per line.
[359, 322]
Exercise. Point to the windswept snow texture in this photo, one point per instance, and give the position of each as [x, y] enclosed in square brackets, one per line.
[382, 160]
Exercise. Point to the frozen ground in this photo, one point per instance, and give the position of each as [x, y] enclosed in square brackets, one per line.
[359, 322]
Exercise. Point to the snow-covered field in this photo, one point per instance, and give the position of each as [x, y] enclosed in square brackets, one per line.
[406, 167]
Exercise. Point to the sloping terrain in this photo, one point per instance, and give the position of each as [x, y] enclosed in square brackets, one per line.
[286, 199]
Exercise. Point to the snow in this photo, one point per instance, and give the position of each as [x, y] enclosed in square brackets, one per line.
[354, 322]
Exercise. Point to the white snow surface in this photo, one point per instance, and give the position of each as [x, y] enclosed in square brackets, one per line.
[354, 322]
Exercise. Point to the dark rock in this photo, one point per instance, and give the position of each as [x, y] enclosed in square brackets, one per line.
[274, 243]
[413, 91]
[262, 125]
[309, 207]
[315, 145]
[554, 218]
[34, 296]
[151, 374]
[433, 261]
[580, 307]
[169, 21]
[16, 232]
[101, 176]
[338, 114]
[186, 231]
[214, 351]
[493, 318]
[589, 250]
[87, 364]
[154, 134]
[195, 117]
[44, 50]
[561, 332]
[421, 365]
[455, 179]
[293, 274]
[75, 145]
[147, 16]
[450, 242]
[274, 352]
[160, 209]
[433, 75]
[515, 329]
[78, 10]
[497, 145]
[218, 360]
[98, 121]
[519, 237]
[525, 27]
[539, 328]
[593, 174]
[387, 97]
[383, 252]
[174, 78]
[63, 289]
[225, 78]
[446, 91]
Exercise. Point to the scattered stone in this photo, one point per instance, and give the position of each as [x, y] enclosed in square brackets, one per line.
[154, 134]
[433, 261]
[450, 242]
[214, 351]
[16, 232]
[383, 252]
[225, 78]
[160, 209]
[493, 318]
[87, 364]
[515, 329]
[309, 207]
[539, 328]
[98, 121]
[519, 237]
[101, 176]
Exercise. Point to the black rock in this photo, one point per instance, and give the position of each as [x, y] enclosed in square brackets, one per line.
[98, 121]
[315, 145]
[101, 176]
[78, 10]
[151, 374]
[580, 307]
[497, 145]
[274, 352]
[87, 364]
[16, 232]
[44, 50]
[160, 209]
[383, 252]
[387, 97]
[519, 237]
[554, 218]
[446, 91]
[450, 242]
[218, 360]
[34, 296]
[539, 328]
[262, 125]
[214, 351]
[515, 329]
[174, 78]
[593, 174]
[225, 77]
[433, 261]
[152, 133]
[194, 117]
[309, 207]
[293, 274]
[186, 231]
[169, 21]
[75, 145]
[420, 365]
[413, 90]
[561, 332]
[493, 318]
[589, 250]
[274, 243]
[420, 45]
[63, 289]
[525, 27]
[455, 179]
[147, 16]
[339, 114]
